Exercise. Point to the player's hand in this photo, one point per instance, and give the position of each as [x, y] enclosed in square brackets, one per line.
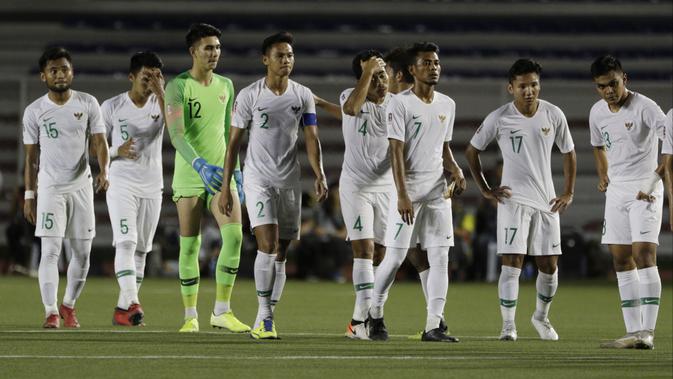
[603, 183]
[559, 204]
[102, 181]
[29, 210]
[320, 187]
[645, 197]
[373, 65]
[238, 178]
[226, 203]
[458, 182]
[406, 209]
[128, 149]
[498, 194]
[210, 175]
[155, 82]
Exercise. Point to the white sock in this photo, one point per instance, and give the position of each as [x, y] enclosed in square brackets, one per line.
[384, 278]
[190, 312]
[423, 276]
[363, 282]
[77, 270]
[278, 283]
[546, 285]
[264, 278]
[140, 258]
[47, 273]
[629, 284]
[438, 284]
[125, 271]
[650, 295]
[508, 291]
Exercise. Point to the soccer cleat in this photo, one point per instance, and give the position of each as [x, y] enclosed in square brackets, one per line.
[69, 316]
[629, 341]
[419, 336]
[357, 331]
[265, 331]
[52, 322]
[132, 317]
[508, 332]
[228, 321]
[437, 335]
[646, 340]
[377, 329]
[191, 326]
[544, 329]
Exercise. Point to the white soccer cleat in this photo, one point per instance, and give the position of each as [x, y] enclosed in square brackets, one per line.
[646, 340]
[544, 329]
[508, 332]
[357, 332]
[629, 341]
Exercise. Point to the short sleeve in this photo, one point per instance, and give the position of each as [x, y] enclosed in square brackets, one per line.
[344, 96]
[452, 119]
[309, 101]
[96, 125]
[563, 139]
[242, 111]
[31, 130]
[175, 93]
[596, 137]
[667, 147]
[485, 133]
[106, 113]
[395, 120]
[654, 118]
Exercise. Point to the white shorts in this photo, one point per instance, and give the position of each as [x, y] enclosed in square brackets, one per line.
[276, 206]
[527, 230]
[133, 218]
[364, 213]
[432, 227]
[66, 215]
[628, 220]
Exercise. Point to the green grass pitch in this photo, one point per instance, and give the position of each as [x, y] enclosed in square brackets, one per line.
[311, 319]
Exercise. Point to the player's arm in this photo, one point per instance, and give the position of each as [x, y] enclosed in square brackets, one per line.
[358, 96]
[228, 116]
[30, 180]
[601, 161]
[226, 202]
[102, 154]
[560, 203]
[668, 176]
[314, 152]
[404, 205]
[458, 183]
[498, 194]
[331, 108]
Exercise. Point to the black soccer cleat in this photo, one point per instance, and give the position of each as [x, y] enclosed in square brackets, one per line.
[443, 327]
[437, 335]
[377, 329]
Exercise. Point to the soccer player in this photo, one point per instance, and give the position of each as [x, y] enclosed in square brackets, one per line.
[273, 108]
[624, 128]
[528, 209]
[420, 125]
[366, 178]
[58, 125]
[135, 122]
[198, 115]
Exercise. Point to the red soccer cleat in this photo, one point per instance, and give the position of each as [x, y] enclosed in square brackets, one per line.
[136, 315]
[52, 322]
[131, 317]
[69, 317]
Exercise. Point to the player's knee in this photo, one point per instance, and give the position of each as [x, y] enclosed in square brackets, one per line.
[126, 247]
[419, 259]
[439, 258]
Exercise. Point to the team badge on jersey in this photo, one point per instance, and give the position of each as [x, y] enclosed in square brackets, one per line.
[442, 118]
[628, 125]
[155, 117]
[546, 131]
[295, 109]
[223, 98]
[78, 115]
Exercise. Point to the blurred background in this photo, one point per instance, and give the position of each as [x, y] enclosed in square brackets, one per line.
[479, 40]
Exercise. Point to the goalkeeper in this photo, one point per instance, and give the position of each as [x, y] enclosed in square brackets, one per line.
[198, 112]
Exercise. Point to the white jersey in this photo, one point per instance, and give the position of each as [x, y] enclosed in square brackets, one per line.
[274, 122]
[667, 147]
[526, 144]
[366, 158]
[123, 120]
[423, 128]
[629, 136]
[63, 131]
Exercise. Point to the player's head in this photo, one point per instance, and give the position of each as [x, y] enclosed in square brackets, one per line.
[610, 79]
[277, 53]
[143, 65]
[524, 82]
[424, 62]
[203, 42]
[397, 67]
[378, 86]
[56, 69]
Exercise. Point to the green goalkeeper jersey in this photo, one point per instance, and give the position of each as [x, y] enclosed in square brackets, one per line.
[207, 119]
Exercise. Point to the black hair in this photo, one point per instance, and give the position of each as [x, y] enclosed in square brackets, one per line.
[144, 59]
[523, 66]
[398, 60]
[363, 56]
[421, 47]
[53, 53]
[201, 30]
[604, 64]
[279, 37]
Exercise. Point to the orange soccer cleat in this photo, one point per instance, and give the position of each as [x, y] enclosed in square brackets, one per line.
[52, 322]
[69, 317]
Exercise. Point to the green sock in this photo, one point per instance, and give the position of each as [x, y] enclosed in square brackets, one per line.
[188, 264]
[227, 266]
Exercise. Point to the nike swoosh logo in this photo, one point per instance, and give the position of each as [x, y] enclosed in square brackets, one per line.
[123, 119]
[514, 131]
[415, 117]
[261, 109]
[449, 237]
[648, 302]
[645, 232]
[190, 99]
[363, 112]
[603, 127]
[47, 119]
[556, 245]
[89, 230]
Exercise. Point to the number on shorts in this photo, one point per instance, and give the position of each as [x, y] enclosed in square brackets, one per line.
[123, 226]
[260, 209]
[509, 239]
[516, 143]
[358, 224]
[47, 220]
[266, 120]
[399, 228]
[363, 128]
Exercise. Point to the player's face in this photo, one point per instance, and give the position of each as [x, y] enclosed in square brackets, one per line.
[139, 81]
[279, 59]
[206, 52]
[57, 74]
[426, 68]
[525, 89]
[378, 86]
[611, 87]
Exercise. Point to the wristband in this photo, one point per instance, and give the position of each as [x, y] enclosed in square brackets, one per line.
[29, 195]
